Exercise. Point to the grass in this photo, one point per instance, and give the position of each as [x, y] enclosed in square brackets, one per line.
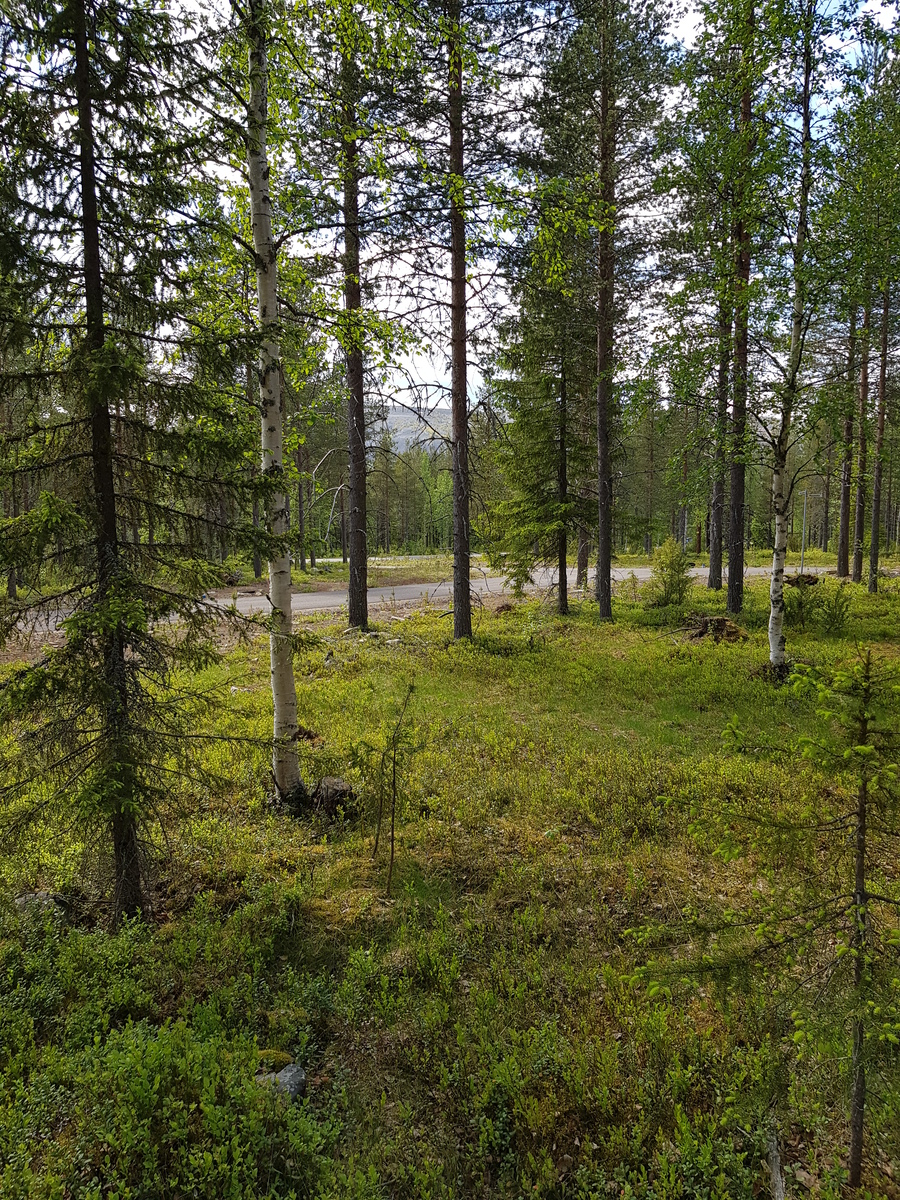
[485, 1030]
[383, 571]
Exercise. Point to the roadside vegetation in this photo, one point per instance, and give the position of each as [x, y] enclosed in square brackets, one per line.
[509, 1020]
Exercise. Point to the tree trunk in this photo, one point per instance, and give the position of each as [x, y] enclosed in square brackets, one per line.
[257, 560]
[562, 496]
[301, 508]
[717, 506]
[120, 781]
[825, 530]
[843, 546]
[343, 524]
[651, 480]
[875, 533]
[584, 549]
[859, 523]
[313, 523]
[776, 585]
[790, 390]
[12, 579]
[605, 329]
[738, 473]
[462, 597]
[284, 694]
[358, 600]
[683, 515]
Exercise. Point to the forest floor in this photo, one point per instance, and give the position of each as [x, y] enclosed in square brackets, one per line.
[544, 1003]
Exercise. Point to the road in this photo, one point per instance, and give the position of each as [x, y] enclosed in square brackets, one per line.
[438, 593]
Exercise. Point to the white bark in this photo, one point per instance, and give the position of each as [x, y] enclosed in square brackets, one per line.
[284, 693]
[791, 388]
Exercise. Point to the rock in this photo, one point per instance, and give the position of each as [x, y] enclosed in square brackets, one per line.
[290, 1081]
[40, 902]
[799, 580]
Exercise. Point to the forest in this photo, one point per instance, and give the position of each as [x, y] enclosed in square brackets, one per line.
[449, 599]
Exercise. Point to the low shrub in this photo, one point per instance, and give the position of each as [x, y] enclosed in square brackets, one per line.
[671, 578]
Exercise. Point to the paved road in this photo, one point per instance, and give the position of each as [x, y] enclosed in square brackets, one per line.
[406, 593]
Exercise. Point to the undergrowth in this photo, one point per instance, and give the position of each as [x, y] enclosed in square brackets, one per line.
[484, 1030]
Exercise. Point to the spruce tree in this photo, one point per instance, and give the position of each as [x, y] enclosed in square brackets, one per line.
[126, 433]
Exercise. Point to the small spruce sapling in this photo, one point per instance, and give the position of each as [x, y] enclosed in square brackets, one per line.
[821, 915]
[859, 742]
[671, 579]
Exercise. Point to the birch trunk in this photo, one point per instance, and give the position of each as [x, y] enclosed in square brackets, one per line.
[251, 399]
[776, 586]
[738, 472]
[790, 392]
[285, 767]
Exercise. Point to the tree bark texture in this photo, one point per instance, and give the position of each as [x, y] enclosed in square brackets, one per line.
[605, 328]
[120, 782]
[251, 399]
[859, 520]
[781, 494]
[562, 495]
[877, 463]
[462, 596]
[717, 505]
[285, 766]
[356, 412]
[843, 546]
[738, 472]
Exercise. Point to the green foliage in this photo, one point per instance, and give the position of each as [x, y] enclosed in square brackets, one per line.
[486, 1030]
[147, 1110]
[671, 579]
[124, 438]
[824, 605]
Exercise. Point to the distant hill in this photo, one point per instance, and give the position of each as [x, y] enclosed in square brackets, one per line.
[407, 429]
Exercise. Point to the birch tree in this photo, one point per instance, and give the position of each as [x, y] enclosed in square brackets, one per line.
[271, 400]
[789, 387]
